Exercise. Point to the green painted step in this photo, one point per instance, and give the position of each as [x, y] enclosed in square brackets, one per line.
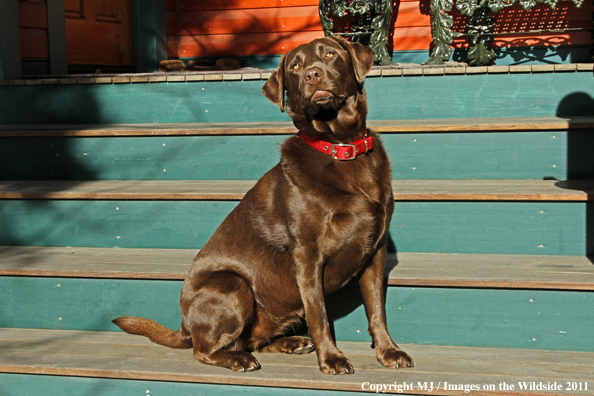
[538, 228]
[526, 319]
[83, 361]
[390, 97]
[403, 269]
[484, 155]
[527, 148]
[28, 385]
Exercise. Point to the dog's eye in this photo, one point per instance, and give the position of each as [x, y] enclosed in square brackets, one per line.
[295, 66]
[330, 54]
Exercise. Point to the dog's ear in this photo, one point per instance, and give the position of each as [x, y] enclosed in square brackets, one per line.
[274, 88]
[361, 56]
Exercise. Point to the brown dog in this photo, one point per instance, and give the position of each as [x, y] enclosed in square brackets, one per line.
[312, 223]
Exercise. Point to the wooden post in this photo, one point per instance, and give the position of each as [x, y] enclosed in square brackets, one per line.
[56, 20]
[150, 34]
[10, 42]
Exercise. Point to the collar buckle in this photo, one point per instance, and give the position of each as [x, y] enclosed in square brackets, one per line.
[345, 154]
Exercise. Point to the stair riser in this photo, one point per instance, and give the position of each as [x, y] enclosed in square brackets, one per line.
[27, 385]
[430, 227]
[466, 317]
[450, 96]
[517, 155]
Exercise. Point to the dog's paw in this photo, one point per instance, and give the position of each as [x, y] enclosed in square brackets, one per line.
[395, 358]
[299, 345]
[242, 362]
[336, 365]
[295, 344]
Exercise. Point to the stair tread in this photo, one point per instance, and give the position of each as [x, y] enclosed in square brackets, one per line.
[286, 127]
[124, 356]
[402, 269]
[404, 190]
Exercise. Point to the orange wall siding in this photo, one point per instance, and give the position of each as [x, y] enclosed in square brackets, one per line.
[215, 28]
[172, 34]
[260, 27]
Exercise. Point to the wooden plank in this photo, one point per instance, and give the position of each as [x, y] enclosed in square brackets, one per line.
[492, 190]
[404, 190]
[165, 264]
[402, 269]
[491, 271]
[181, 129]
[123, 356]
[286, 127]
[484, 124]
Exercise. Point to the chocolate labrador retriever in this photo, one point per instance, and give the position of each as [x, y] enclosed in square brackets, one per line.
[311, 224]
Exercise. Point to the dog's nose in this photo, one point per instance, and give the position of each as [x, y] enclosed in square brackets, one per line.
[314, 75]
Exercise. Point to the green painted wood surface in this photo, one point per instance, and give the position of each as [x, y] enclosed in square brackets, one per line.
[474, 317]
[492, 227]
[133, 158]
[517, 155]
[467, 317]
[451, 96]
[111, 223]
[431, 227]
[45, 385]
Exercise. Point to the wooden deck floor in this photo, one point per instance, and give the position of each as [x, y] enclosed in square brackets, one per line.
[123, 356]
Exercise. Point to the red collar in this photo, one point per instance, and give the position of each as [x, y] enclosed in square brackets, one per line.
[340, 151]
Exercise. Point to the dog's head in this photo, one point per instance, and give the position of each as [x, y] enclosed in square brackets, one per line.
[319, 77]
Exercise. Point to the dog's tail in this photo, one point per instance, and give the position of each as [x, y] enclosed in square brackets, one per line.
[154, 331]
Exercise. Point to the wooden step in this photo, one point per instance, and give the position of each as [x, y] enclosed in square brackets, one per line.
[286, 127]
[128, 357]
[404, 190]
[402, 269]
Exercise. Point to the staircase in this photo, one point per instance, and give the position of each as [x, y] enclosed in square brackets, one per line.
[110, 185]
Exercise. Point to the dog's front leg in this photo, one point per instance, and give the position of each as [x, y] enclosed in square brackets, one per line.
[372, 289]
[309, 273]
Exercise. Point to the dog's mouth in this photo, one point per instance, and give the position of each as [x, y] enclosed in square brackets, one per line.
[323, 99]
[321, 95]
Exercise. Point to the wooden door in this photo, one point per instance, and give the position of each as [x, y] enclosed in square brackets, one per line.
[99, 32]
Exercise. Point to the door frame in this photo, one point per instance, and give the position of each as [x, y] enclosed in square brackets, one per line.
[149, 19]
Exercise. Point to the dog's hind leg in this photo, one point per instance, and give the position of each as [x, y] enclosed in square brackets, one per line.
[221, 309]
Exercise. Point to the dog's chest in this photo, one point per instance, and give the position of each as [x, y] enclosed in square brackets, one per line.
[350, 236]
